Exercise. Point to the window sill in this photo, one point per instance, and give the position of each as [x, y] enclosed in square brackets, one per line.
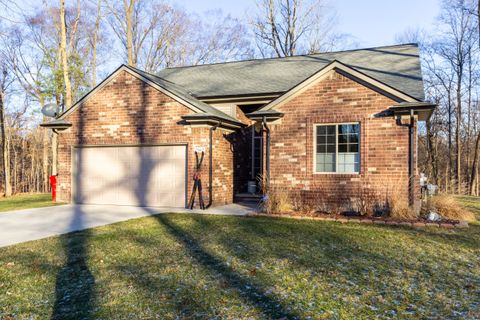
[337, 173]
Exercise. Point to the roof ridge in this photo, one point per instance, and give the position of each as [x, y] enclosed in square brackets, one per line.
[289, 57]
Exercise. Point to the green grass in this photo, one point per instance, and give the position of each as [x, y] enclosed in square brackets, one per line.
[26, 201]
[472, 204]
[210, 267]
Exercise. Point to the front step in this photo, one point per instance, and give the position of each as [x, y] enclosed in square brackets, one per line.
[248, 198]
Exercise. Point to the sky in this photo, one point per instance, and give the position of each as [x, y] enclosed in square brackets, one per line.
[370, 22]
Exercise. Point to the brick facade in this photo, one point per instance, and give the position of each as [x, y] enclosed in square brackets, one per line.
[383, 142]
[128, 111]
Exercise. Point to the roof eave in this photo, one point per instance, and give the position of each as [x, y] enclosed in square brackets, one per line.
[269, 116]
[212, 120]
[56, 124]
[423, 110]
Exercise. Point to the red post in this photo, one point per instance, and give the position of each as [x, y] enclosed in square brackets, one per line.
[53, 184]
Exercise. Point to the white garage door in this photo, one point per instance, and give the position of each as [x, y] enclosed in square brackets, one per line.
[143, 176]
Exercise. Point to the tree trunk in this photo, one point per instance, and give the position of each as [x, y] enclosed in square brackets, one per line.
[473, 176]
[63, 49]
[431, 152]
[450, 160]
[128, 15]
[5, 149]
[457, 133]
[94, 45]
[15, 171]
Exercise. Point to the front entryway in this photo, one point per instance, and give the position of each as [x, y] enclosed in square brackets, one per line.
[130, 175]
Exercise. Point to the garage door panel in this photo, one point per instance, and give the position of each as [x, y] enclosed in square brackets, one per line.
[148, 176]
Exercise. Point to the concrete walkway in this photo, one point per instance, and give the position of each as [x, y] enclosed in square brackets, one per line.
[32, 224]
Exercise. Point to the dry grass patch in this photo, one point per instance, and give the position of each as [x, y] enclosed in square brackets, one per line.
[448, 207]
[399, 209]
[278, 201]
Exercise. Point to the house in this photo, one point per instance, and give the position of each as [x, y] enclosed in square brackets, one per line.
[330, 125]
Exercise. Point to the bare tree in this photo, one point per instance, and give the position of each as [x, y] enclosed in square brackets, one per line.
[454, 47]
[212, 37]
[5, 82]
[64, 50]
[285, 27]
[124, 20]
[163, 35]
[94, 43]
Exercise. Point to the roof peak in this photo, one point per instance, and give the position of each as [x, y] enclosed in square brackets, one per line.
[294, 56]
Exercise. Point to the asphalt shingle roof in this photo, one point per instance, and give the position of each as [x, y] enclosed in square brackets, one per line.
[184, 95]
[397, 66]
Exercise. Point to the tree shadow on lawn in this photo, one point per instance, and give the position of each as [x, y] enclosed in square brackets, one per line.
[322, 250]
[74, 288]
[169, 292]
[249, 289]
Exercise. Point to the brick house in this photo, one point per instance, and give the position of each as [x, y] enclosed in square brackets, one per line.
[331, 125]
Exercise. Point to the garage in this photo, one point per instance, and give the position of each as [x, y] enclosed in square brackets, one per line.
[130, 175]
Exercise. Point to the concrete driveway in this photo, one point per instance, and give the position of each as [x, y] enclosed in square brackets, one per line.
[32, 224]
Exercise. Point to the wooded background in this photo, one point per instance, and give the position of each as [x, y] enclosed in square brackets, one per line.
[58, 51]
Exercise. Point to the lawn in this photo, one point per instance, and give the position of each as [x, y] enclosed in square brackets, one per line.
[179, 266]
[26, 201]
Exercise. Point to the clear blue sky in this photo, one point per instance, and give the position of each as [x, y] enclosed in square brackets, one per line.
[370, 22]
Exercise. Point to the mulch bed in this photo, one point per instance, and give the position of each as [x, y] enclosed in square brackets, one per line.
[419, 223]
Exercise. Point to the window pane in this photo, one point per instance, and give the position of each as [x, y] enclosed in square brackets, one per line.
[353, 138]
[321, 148]
[357, 167]
[329, 157]
[353, 148]
[330, 129]
[342, 138]
[330, 139]
[342, 148]
[325, 162]
[321, 139]
[321, 130]
[349, 168]
[329, 167]
[320, 167]
[330, 148]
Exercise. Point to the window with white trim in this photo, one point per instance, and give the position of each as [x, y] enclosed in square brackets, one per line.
[337, 148]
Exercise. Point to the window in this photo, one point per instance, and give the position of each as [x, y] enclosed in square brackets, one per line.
[338, 148]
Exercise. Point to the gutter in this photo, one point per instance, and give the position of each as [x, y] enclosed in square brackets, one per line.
[411, 175]
[269, 115]
[212, 120]
[267, 154]
[210, 160]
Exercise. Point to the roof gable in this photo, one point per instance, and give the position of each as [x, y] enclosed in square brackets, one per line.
[173, 91]
[342, 68]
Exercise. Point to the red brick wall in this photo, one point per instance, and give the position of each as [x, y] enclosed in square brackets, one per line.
[337, 99]
[128, 111]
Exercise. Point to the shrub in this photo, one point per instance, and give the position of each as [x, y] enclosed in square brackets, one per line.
[277, 201]
[399, 208]
[365, 201]
[449, 208]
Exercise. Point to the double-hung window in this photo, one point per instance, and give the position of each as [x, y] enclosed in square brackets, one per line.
[337, 148]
